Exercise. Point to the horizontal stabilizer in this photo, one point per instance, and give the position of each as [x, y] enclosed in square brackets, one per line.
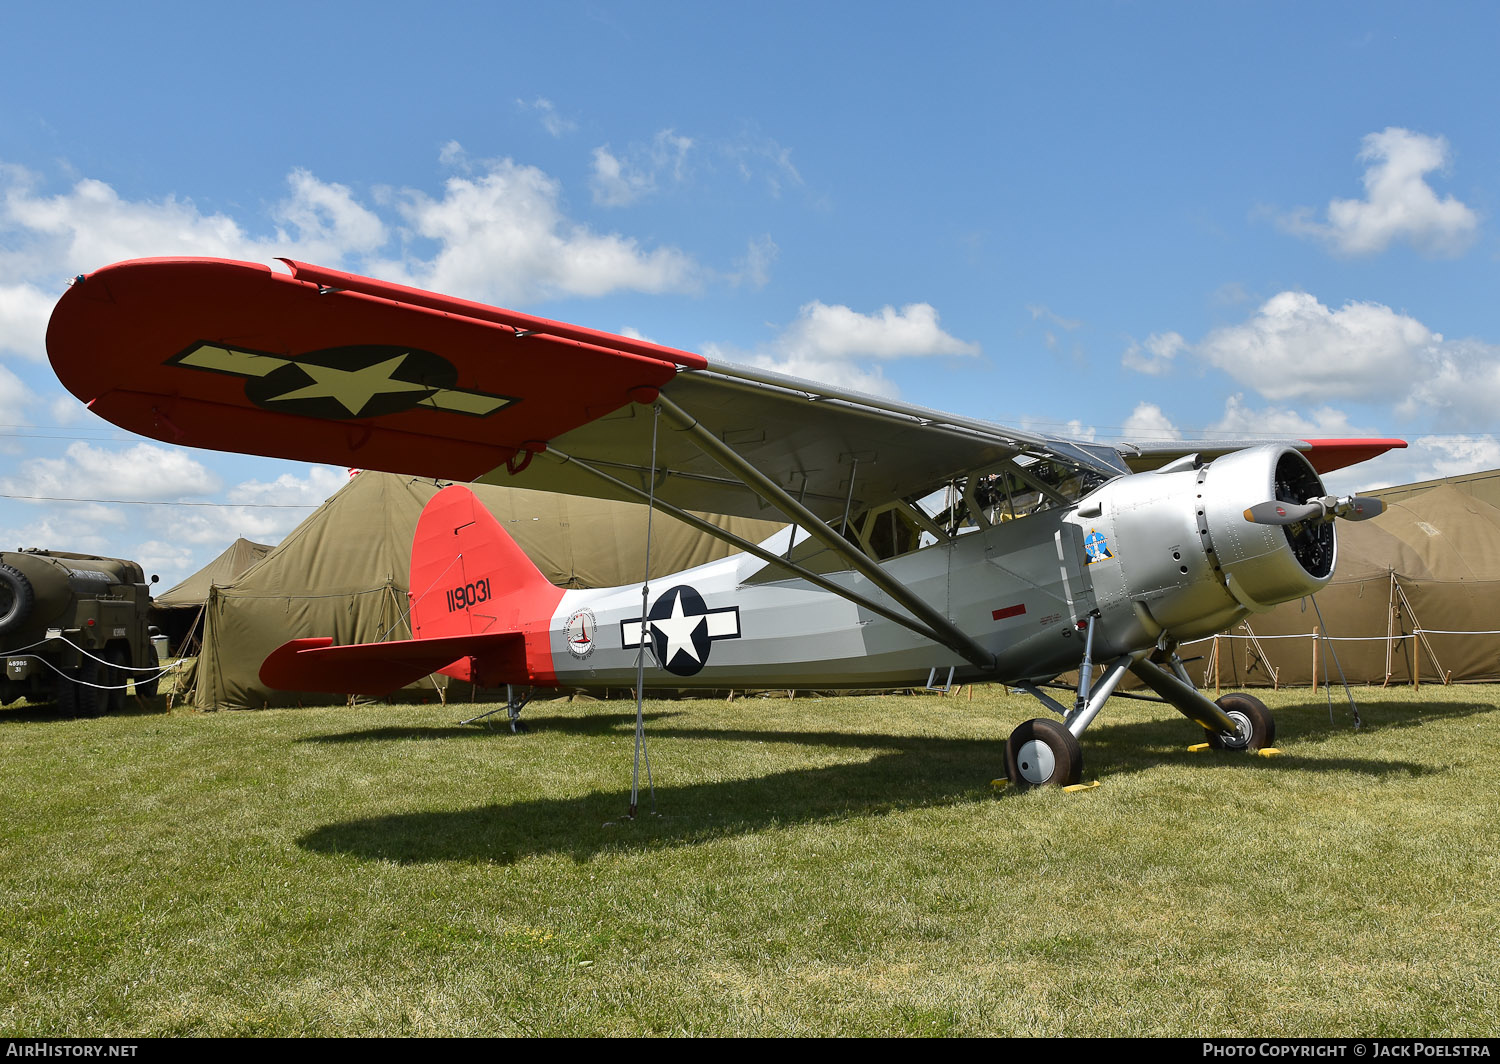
[380, 668]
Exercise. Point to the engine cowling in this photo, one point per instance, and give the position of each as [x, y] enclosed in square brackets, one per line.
[1263, 565]
[1171, 551]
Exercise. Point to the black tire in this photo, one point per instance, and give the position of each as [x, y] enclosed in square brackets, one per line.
[1043, 753]
[75, 696]
[17, 599]
[113, 677]
[146, 688]
[1257, 726]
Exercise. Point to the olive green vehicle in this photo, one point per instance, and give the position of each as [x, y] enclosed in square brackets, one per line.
[71, 628]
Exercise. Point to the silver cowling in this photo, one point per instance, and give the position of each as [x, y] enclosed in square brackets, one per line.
[1262, 565]
[1181, 557]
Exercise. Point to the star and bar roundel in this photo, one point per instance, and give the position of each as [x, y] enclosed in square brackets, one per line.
[682, 629]
[339, 383]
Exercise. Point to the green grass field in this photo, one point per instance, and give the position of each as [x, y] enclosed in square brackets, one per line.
[818, 866]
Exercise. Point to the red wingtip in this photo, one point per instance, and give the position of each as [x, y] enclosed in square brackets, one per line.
[1328, 455]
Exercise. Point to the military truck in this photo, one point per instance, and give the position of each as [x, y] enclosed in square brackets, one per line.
[71, 625]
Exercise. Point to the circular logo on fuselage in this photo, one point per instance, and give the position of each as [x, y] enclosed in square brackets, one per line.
[580, 633]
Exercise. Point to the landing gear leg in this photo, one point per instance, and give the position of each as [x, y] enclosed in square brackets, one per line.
[1045, 753]
[513, 707]
[1235, 722]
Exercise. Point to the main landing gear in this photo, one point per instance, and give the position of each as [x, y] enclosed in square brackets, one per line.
[1045, 753]
[1255, 728]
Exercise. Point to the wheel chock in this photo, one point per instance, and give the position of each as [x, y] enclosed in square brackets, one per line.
[1267, 751]
[1003, 782]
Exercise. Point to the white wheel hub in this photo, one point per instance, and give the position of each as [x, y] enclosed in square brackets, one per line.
[1036, 761]
[1243, 731]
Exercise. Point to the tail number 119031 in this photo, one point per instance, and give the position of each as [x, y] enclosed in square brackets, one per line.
[461, 598]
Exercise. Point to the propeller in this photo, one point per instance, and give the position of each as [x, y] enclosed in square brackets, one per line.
[1323, 508]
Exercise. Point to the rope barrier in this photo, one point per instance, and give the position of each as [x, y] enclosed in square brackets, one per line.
[1413, 634]
[159, 670]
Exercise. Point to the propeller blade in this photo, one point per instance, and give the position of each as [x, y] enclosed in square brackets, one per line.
[1325, 508]
[1361, 508]
[1283, 513]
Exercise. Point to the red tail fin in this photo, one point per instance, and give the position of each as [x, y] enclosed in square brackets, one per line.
[468, 577]
[480, 612]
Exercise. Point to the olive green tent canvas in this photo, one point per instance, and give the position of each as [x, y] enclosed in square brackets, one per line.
[343, 572]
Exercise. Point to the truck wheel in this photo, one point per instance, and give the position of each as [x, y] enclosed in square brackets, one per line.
[113, 677]
[74, 695]
[16, 598]
[147, 688]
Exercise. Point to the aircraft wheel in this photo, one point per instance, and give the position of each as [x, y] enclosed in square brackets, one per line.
[1043, 753]
[1257, 728]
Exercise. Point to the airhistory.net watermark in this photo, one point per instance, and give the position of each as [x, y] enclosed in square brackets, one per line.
[69, 1049]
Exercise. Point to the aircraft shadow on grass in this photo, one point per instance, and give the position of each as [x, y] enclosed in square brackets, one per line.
[905, 772]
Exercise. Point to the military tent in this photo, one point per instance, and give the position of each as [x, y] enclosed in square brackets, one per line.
[177, 612]
[343, 572]
[1416, 588]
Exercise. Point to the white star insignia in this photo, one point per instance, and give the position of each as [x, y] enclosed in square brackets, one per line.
[679, 629]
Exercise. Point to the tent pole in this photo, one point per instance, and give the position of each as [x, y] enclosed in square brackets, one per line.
[1390, 629]
[1315, 659]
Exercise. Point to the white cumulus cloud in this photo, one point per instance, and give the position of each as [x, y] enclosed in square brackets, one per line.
[1155, 355]
[822, 331]
[143, 472]
[1399, 203]
[502, 236]
[834, 345]
[1295, 347]
[1242, 420]
[1147, 423]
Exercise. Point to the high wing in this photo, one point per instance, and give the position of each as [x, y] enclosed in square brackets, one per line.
[319, 365]
[1325, 455]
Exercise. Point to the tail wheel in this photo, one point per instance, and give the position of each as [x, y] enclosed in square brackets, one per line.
[17, 598]
[1256, 727]
[1043, 753]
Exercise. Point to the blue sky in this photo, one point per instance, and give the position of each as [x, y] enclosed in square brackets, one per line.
[1110, 219]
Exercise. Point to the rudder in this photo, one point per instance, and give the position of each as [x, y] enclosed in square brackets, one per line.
[469, 577]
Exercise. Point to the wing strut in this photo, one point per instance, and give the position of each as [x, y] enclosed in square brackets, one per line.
[711, 529]
[949, 634]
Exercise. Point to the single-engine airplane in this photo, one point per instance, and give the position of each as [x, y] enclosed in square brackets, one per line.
[922, 547]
